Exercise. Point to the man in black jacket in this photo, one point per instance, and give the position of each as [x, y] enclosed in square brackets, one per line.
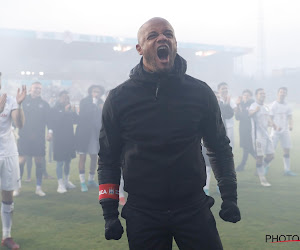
[32, 136]
[152, 126]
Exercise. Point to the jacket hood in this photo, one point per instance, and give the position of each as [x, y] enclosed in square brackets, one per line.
[178, 71]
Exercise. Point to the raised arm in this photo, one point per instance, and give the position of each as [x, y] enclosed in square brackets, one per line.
[18, 114]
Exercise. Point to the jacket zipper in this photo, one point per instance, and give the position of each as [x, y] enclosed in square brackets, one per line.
[157, 89]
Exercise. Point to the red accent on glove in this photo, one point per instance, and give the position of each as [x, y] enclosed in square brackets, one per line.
[110, 191]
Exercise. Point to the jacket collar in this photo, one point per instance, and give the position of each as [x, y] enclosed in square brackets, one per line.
[178, 71]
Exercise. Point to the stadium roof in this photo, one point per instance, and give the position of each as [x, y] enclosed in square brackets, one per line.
[28, 54]
[69, 37]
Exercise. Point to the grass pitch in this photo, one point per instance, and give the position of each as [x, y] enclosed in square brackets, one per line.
[74, 220]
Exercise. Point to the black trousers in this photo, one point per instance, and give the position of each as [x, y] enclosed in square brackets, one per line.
[192, 227]
[246, 152]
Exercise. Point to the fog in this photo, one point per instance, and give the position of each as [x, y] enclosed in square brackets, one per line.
[225, 23]
[268, 33]
[229, 22]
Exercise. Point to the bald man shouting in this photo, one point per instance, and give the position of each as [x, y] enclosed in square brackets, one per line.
[152, 128]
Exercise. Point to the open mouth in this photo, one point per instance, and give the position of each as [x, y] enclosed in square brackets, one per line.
[163, 52]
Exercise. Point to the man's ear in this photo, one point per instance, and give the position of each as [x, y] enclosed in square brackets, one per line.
[139, 49]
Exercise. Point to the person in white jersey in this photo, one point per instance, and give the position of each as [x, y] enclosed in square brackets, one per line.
[10, 111]
[262, 143]
[281, 114]
[225, 99]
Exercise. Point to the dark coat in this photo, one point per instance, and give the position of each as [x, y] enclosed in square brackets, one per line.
[36, 112]
[62, 124]
[89, 120]
[32, 135]
[242, 115]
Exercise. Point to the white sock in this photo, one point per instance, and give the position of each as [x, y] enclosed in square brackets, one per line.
[60, 182]
[260, 171]
[6, 216]
[66, 179]
[82, 178]
[286, 163]
[38, 187]
[208, 177]
[91, 177]
[121, 188]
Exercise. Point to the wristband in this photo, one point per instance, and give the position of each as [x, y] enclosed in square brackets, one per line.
[109, 191]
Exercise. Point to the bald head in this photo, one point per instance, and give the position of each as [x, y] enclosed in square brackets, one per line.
[152, 21]
[157, 44]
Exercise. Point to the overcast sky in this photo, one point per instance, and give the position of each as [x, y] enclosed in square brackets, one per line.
[230, 22]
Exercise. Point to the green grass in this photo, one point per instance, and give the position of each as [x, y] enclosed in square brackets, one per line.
[74, 220]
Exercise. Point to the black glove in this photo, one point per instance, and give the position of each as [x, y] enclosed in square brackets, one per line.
[113, 229]
[230, 211]
[113, 226]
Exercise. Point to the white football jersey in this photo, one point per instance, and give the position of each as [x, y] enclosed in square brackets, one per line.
[260, 120]
[8, 145]
[281, 113]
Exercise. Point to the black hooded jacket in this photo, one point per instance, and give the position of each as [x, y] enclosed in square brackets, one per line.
[152, 126]
[36, 111]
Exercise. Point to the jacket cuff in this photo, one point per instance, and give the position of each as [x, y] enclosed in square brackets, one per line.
[229, 192]
[110, 208]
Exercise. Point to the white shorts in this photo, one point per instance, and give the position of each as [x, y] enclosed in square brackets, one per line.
[284, 138]
[10, 173]
[264, 146]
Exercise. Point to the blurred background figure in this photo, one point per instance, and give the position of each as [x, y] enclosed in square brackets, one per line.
[226, 100]
[29, 163]
[281, 115]
[10, 111]
[227, 113]
[87, 133]
[32, 136]
[62, 119]
[260, 119]
[242, 115]
[51, 102]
